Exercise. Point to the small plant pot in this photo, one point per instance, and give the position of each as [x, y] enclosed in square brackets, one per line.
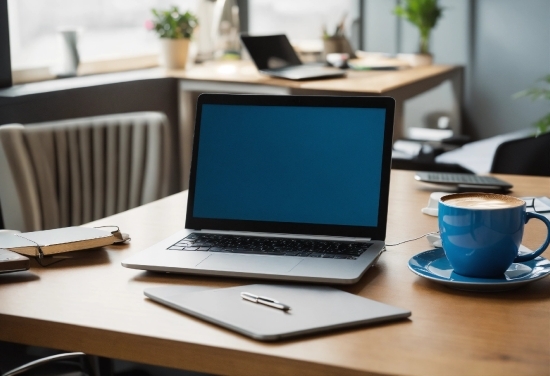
[174, 53]
[416, 60]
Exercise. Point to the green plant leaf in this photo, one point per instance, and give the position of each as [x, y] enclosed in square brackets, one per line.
[540, 92]
[543, 124]
[424, 14]
[172, 23]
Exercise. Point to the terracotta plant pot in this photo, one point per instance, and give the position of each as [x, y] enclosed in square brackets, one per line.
[174, 53]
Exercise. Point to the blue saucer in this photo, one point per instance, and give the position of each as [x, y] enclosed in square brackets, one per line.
[434, 265]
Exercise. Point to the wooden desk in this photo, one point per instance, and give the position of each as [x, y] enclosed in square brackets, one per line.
[242, 77]
[95, 305]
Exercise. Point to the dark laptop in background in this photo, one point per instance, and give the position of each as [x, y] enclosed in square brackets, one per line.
[283, 187]
[275, 56]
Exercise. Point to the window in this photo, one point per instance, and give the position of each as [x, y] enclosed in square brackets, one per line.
[303, 21]
[107, 29]
[112, 33]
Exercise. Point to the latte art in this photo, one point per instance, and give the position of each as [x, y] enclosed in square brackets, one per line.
[482, 201]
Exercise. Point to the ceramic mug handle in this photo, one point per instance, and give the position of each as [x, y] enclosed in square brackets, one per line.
[543, 247]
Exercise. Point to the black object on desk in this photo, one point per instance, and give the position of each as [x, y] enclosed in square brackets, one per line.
[465, 182]
[273, 55]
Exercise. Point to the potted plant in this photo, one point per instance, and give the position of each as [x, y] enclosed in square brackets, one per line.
[424, 14]
[541, 92]
[175, 30]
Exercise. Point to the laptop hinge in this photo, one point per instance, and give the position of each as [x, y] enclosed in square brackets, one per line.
[294, 236]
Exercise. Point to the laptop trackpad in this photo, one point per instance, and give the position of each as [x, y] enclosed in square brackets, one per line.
[249, 263]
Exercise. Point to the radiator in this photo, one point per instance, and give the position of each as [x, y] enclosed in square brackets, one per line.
[66, 173]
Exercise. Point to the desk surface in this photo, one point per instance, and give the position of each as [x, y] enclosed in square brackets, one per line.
[379, 82]
[93, 304]
[367, 82]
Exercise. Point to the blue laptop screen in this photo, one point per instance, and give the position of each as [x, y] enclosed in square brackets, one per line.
[318, 165]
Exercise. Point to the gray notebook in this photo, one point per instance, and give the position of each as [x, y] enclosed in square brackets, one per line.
[313, 309]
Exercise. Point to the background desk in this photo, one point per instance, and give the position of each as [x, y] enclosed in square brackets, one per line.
[242, 77]
[95, 305]
[175, 92]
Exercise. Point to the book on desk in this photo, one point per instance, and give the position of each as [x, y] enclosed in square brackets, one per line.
[67, 239]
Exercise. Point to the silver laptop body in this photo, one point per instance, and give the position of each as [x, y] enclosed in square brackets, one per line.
[309, 172]
[313, 309]
[274, 56]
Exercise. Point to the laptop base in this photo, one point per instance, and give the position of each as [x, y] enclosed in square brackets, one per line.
[284, 268]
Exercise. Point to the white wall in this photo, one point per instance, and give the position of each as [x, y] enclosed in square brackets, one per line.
[504, 45]
[511, 50]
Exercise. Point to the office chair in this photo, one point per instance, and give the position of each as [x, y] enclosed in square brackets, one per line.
[66, 173]
[524, 156]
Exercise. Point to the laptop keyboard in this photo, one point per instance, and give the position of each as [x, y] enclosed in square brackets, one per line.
[463, 179]
[255, 245]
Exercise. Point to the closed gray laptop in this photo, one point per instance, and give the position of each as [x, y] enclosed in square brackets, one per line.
[283, 187]
[313, 309]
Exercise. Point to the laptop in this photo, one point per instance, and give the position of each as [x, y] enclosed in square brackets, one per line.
[291, 188]
[274, 56]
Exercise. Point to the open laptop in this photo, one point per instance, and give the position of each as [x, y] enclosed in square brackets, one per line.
[275, 56]
[283, 187]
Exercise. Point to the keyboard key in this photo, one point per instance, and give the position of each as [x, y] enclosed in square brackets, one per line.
[274, 253]
[244, 250]
[216, 249]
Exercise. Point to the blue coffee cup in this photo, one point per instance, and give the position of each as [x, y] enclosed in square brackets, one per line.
[481, 233]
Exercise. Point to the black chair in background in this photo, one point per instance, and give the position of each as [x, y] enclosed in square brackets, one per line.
[520, 156]
[524, 156]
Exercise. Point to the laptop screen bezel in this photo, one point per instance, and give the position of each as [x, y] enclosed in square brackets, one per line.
[374, 232]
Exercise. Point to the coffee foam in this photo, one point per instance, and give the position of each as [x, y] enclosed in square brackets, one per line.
[482, 201]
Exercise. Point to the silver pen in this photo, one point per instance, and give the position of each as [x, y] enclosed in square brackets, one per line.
[264, 300]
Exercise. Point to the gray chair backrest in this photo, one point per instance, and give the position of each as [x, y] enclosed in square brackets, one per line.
[524, 156]
[66, 173]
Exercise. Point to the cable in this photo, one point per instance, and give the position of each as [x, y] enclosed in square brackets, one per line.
[410, 240]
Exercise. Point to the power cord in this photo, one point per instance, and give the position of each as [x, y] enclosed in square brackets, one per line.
[410, 240]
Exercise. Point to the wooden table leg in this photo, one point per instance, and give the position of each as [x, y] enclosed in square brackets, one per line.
[399, 130]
